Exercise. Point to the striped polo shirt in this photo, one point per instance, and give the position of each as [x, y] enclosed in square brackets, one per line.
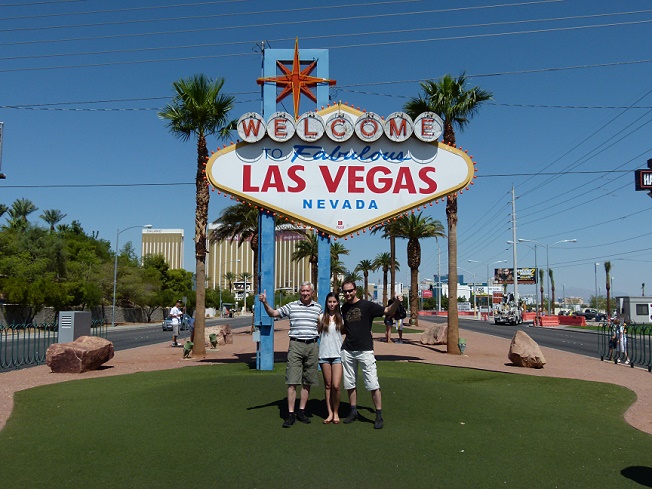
[303, 319]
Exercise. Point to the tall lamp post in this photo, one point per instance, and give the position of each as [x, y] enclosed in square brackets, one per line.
[115, 265]
[488, 295]
[548, 246]
[488, 265]
[475, 301]
[224, 263]
[597, 264]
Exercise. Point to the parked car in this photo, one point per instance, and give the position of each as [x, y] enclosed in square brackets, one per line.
[186, 321]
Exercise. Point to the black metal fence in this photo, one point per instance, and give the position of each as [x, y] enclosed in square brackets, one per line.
[630, 344]
[26, 344]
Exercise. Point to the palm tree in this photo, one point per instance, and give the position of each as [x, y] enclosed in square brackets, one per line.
[3, 209]
[552, 289]
[365, 266]
[383, 261]
[607, 271]
[246, 278]
[413, 228]
[389, 232]
[308, 248]
[337, 249]
[21, 208]
[239, 222]
[456, 105]
[199, 109]
[52, 217]
[230, 277]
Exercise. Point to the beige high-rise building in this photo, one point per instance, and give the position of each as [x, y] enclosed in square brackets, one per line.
[233, 256]
[166, 242]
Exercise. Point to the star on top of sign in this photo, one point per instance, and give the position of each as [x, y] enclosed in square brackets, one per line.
[296, 81]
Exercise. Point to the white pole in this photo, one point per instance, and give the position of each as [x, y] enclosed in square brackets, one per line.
[115, 276]
[514, 240]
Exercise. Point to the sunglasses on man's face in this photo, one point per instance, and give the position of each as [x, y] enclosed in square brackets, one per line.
[349, 291]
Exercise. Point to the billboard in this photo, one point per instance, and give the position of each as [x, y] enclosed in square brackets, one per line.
[506, 275]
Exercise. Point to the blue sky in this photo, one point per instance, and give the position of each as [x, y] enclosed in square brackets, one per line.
[82, 82]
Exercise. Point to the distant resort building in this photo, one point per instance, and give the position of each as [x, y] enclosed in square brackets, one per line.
[236, 257]
[166, 242]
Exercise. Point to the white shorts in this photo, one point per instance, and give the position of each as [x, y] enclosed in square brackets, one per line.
[175, 330]
[350, 361]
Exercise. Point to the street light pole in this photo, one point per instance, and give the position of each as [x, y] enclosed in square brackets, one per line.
[115, 265]
[475, 302]
[597, 264]
[488, 295]
[237, 260]
[547, 260]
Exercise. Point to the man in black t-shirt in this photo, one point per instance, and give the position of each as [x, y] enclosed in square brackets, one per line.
[358, 348]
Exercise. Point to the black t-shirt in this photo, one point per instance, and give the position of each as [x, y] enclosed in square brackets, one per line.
[358, 318]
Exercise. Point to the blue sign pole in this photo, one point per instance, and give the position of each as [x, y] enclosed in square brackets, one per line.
[267, 222]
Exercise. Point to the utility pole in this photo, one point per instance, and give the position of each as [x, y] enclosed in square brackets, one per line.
[514, 240]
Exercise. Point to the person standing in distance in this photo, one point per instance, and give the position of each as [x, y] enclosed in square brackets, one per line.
[175, 315]
[358, 348]
[303, 352]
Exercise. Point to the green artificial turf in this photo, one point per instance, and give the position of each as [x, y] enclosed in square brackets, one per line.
[220, 426]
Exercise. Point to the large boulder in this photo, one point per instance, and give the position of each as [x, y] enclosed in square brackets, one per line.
[84, 354]
[223, 332]
[524, 351]
[435, 335]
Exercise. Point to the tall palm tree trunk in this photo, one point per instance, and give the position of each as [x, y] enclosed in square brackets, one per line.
[384, 287]
[392, 268]
[201, 221]
[453, 315]
[366, 285]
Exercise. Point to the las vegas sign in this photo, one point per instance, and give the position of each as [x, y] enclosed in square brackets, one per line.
[339, 169]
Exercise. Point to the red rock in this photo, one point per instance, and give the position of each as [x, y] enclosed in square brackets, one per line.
[84, 354]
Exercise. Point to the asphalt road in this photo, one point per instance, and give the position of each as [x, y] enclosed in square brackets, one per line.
[574, 341]
[132, 336]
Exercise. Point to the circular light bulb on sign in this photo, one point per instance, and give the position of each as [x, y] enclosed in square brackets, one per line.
[369, 127]
[339, 127]
[251, 127]
[398, 127]
[310, 127]
[428, 127]
[280, 127]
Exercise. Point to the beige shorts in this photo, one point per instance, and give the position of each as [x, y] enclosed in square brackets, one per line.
[350, 361]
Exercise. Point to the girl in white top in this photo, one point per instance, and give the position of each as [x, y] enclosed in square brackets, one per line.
[330, 328]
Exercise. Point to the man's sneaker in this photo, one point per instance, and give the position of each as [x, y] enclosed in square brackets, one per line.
[301, 416]
[290, 420]
[378, 424]
[353, 416]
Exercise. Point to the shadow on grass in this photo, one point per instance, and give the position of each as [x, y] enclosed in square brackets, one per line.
[640, 474]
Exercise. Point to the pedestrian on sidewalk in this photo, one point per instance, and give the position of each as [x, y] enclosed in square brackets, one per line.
[175, 316]
[358, 348]
[331, 326]
[303, 352]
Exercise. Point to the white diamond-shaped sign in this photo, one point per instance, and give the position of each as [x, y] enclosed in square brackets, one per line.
[339, 187]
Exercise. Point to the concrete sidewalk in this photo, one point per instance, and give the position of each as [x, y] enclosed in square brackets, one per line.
[483, 352]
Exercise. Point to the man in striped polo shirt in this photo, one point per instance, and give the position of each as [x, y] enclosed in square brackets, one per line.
[303, 352]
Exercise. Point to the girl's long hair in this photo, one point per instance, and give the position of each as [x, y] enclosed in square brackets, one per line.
[326, 316]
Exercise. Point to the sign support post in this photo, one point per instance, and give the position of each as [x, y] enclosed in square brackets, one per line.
[267, 222]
